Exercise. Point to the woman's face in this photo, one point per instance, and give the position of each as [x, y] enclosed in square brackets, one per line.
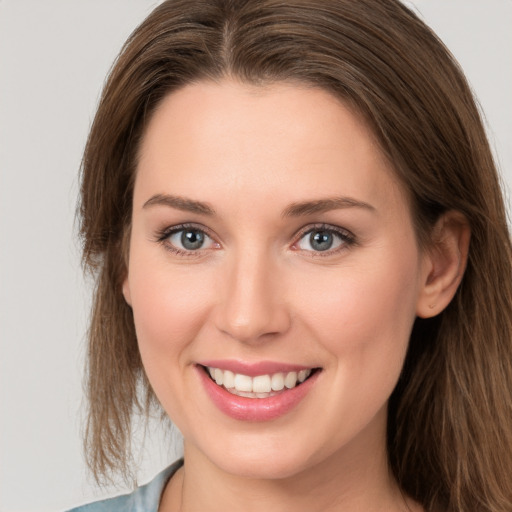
[270, 244]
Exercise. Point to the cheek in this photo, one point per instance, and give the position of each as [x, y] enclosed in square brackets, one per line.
[365, 326]
[363, 316]
[376, 292]
[168, 306]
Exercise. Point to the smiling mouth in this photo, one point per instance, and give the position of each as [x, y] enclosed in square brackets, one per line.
[260, 386]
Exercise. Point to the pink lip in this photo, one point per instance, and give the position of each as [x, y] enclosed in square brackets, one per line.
[253, 369]
[255, 409]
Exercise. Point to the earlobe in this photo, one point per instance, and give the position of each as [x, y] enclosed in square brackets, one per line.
[444, 264]
[126, 291]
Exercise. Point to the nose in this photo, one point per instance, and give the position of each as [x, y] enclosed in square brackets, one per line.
[252, 306]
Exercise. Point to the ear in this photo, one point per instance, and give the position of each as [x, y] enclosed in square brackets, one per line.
[125, 249]
[444, 264]
[126, 291]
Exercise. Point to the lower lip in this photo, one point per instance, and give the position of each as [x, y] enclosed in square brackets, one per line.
[255, 409]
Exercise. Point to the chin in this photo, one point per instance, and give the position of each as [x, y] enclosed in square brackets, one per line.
[269, 469]
[262, 462]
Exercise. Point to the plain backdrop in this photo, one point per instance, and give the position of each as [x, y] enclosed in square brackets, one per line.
[54, 55]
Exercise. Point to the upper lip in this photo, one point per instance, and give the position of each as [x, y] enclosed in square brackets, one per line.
[254, 369]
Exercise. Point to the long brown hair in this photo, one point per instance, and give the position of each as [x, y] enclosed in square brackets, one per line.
[450, 416]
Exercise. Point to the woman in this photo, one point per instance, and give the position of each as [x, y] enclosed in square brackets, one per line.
[302, 256]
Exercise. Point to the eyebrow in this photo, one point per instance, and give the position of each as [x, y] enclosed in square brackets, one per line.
[180, 203]
[324, 205]
[294, 210]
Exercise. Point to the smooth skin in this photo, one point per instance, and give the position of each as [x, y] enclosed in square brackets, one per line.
[233, 185]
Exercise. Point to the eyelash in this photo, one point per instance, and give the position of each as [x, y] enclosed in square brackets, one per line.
[346, 238]
[163, 236]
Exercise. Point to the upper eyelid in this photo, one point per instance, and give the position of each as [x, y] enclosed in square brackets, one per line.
[186, 225]
[166, 232]
[347, 237]
[163, 235]
[323, 226]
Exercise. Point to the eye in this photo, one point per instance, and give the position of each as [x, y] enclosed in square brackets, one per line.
[183, 239]
[189, 239]
[323, 239]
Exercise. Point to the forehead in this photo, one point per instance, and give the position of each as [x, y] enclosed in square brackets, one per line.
[276, 142]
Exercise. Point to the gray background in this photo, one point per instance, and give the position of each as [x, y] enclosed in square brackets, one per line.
[54, 55]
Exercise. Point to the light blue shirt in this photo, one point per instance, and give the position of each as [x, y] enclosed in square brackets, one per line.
[144, 499]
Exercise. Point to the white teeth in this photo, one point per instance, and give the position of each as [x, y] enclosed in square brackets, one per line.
[241, 393]
[260, 386]
[243, 382]
[290, 380]
[229, 379]
[277, 381]
[219, 376]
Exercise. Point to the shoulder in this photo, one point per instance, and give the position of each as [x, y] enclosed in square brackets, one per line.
[144, 499]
